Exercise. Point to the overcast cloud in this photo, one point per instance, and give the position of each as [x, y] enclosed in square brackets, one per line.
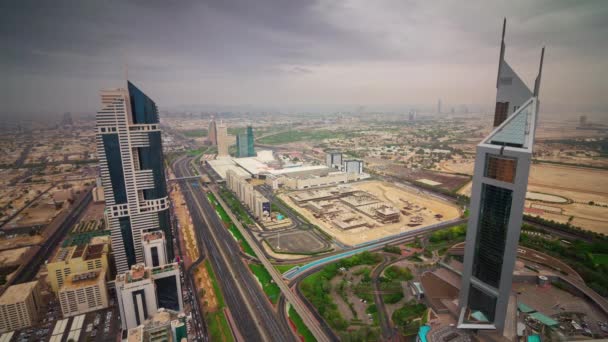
[56, 55]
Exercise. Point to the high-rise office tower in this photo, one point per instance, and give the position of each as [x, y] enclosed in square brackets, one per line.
[130, 154]
[212, 134]
[500, 181]
[439, 106]
[250, 146]
[333, 159]
[222, 140]
[244, 144]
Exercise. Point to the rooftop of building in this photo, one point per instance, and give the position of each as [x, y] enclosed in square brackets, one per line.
[152, 236]
[86, 251]
[85, 279]
[17, 293]
[83, 238]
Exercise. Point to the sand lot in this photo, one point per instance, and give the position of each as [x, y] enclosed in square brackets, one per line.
[429, 207]
[579, 185]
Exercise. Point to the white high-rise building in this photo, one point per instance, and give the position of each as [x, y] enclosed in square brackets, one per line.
[500, 181]
[130, 154]
[142, 291]
[155, 249]
[136, 294]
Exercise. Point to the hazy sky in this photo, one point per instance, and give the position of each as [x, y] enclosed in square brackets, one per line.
[57, 54]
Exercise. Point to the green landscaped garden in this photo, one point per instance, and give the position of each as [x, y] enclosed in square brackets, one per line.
[441, 240]
[316, 288]
[236, 233]
[301, 328]
[271, 289]
[410, 317]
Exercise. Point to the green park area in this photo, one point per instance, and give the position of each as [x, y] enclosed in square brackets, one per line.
[410, 317]
[293, 136]
[317, 287]
[271, 289]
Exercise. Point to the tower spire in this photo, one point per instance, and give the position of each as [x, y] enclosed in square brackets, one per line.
[501, 57]
[540, 72]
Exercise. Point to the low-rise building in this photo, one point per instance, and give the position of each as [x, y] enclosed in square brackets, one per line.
[78, 256]
[83, 292]
[254, 200]
[20, 306]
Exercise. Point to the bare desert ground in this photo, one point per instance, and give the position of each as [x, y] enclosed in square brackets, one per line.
[428, 208]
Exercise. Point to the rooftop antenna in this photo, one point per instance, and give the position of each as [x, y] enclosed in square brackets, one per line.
[502, 49]
[540, 72]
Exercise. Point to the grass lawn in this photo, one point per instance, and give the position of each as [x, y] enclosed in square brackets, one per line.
[285, 268]
[600, 259]
[219, 330]
[270, 288]
[216, 286]
[301, 328]
[231, 227]
[195, 133]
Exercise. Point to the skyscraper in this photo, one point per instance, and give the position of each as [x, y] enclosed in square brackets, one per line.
[439, 106]
[245, 144]
[500, 180]
[222, 140]
[212, 134]
[130, 154]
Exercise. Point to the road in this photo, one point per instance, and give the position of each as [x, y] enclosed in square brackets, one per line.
[257, 321]
[199, 325]
[387, 331]
[27, 273]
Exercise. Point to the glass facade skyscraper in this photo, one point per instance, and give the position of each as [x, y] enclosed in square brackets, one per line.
[245, 144]
[500, 181]
[129, 147]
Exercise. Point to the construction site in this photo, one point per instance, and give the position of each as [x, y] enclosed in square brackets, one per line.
[365, 211]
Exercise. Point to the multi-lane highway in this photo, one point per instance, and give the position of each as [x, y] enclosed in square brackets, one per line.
[255, 317]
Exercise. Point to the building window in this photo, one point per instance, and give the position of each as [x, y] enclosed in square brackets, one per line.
[500, 168]
[494, 212]
[481, 307]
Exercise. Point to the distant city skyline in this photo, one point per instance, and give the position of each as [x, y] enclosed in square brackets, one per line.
[297, 54]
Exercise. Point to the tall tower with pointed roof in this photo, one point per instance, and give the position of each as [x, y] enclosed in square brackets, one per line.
[499, 188]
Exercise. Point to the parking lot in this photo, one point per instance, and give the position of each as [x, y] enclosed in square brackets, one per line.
[99, 326]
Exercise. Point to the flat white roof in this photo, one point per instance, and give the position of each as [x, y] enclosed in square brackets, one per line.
[6, 337]
[77, 323]
[220, 166]
[60, 327]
